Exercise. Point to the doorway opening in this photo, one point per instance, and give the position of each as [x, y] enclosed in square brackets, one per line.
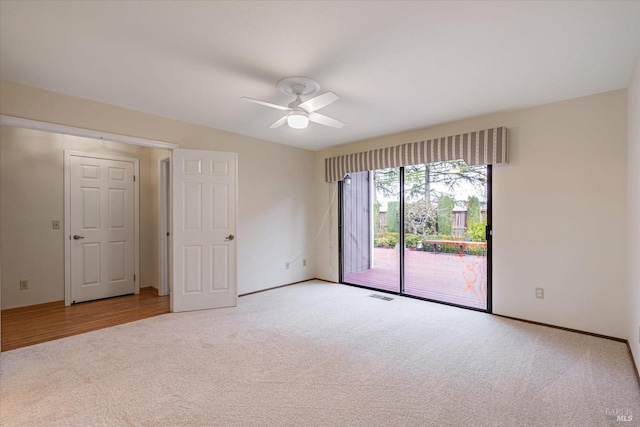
[208, 182]
[421, 231]
[164, 226]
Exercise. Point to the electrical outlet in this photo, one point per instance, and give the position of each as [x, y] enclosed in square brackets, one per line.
[24, 285]
[287, 265]
[540, 293]
[55, 224]
[304, 262]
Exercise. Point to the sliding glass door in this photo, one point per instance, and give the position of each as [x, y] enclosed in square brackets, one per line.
[445, 225]
[419, 231]
[370, 230]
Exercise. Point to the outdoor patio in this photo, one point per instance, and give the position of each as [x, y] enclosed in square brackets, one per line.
[438, 276]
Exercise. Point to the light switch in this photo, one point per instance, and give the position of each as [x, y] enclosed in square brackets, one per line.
[55, 224]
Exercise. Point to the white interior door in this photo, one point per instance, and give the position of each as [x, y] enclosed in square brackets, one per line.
[101, 225]
[203, 230]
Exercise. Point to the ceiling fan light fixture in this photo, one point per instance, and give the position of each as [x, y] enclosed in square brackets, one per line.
[297, 119]
[299, 112]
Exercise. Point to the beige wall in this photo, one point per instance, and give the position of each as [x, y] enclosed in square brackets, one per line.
[559, 211]
[633, 256]
[32, 195]
[560, 206]
[275, 189]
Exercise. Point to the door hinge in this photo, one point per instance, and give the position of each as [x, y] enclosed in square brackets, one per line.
[134, 277]
[134, 178]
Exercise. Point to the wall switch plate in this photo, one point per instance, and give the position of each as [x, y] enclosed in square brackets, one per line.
[55, 224]
[24, 285]
[540, 293]
[287, 265]
[304, 262]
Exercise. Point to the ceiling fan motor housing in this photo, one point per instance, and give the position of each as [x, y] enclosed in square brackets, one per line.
[294, 104]
[298, 89]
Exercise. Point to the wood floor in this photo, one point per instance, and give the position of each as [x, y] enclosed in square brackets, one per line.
[45, 322]
[451, 278]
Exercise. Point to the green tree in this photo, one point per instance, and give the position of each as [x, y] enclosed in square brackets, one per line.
[387, 182]
[420, 180]
[477, 232]
[474, 213]
[445, 215]
[393, 217]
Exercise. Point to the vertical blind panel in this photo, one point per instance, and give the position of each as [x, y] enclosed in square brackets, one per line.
[484, 147]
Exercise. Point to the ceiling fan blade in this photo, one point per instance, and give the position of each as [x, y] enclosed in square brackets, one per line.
[318, 102]
[278, 122]
[325, 120]
[266, 104]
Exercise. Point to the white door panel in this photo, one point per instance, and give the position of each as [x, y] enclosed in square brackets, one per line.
[204, 227]
[101, 227]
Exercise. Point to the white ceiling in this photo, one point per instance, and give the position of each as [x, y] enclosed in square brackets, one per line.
[397, 66]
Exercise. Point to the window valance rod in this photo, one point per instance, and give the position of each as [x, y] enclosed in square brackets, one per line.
[484, 147]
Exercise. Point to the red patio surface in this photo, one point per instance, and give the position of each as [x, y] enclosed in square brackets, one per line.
[443, 277]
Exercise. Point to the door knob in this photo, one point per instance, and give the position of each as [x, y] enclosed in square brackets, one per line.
[77, 237]
[230, 237]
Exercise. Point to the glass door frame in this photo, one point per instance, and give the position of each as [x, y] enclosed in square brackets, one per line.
[401, 241]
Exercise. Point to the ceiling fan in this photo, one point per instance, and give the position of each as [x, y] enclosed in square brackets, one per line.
[301, 112]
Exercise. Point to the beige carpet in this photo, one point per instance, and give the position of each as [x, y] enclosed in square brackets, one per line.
[318, 354]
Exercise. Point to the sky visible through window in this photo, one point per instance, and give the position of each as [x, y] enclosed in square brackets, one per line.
[454, 179]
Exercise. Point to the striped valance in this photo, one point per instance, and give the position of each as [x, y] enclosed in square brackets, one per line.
[485, 147]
